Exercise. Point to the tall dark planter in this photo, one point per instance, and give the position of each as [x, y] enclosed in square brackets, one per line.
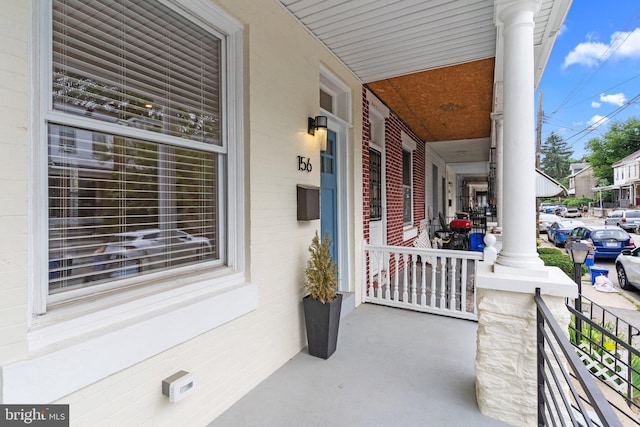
[322, 322]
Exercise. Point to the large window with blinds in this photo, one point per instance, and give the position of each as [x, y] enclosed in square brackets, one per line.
[137, 148]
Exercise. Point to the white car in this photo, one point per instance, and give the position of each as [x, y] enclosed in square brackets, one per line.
[628, 268]
[127, 252]
[571, 212]
[545, 220]
[627, 219]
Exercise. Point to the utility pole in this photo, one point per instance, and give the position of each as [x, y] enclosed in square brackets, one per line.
[539, 130]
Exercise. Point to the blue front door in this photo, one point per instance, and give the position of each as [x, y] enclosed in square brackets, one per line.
[328, 193]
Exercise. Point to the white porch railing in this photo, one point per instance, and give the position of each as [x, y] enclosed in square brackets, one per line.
[439, 281]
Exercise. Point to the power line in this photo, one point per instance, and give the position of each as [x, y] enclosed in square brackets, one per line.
[593, 127]
[603, 91]
[586, 78]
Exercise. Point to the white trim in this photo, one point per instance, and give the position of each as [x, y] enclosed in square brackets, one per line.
[409, 232]
[408, 144]
[341, 92]
[376, 105]
[38, 197]
[377, 116]
[48, 376]
[340, 121]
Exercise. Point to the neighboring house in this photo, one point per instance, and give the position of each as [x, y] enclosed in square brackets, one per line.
[626, 181]
[581, 182]
[577, 167]
[191, 116]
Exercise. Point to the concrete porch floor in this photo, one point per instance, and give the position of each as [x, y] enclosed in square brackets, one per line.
[392, 367]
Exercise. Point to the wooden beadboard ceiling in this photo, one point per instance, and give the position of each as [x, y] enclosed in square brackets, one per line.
[431, 61]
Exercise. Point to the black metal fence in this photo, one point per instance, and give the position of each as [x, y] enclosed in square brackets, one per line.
[605, 343]
[567, 392]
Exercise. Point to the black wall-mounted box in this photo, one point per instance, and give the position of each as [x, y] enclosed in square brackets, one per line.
[308, 202]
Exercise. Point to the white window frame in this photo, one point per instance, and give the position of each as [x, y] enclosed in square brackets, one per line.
[79, 343]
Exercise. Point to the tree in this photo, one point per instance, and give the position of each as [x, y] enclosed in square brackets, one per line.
[556, 157]
[620, 141]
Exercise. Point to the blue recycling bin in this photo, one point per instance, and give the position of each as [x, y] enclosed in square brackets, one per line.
[596, 271]
[476, 242]
[591, 259]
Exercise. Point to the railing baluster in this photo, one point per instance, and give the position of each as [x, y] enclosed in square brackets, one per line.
[387, 275]
[463, 286]
[434, 270]
[453, 286]
[373, 291]
[443, 282]
[423, 284]
[385, 261]
[414, 264]
[405, 277]
[475, 293]
[395, 280]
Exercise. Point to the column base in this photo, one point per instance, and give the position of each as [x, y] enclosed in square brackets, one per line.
[505, 364]
[518, 260]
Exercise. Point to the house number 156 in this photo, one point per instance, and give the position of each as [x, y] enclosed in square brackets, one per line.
[304, 164]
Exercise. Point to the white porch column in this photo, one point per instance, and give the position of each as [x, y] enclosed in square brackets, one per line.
[506, 386]
[519, 180]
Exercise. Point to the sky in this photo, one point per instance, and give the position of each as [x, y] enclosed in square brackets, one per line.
[592, 78]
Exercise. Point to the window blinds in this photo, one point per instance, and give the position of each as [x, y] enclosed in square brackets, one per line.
[139, 64]
[121, 206]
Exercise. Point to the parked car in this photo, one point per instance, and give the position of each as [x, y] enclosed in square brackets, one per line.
[571, 212]
[558, 231]
[608, 241]
[126, 252]
[628, 219]
[628, 268]
[545, 220]
[546, 207]
[559, 210]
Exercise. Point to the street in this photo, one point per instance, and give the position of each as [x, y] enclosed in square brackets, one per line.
[633, 295]
[630, 315]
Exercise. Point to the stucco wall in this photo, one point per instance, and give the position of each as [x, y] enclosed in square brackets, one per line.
[282, 66]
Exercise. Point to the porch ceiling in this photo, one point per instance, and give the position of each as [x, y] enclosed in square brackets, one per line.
[431, 61]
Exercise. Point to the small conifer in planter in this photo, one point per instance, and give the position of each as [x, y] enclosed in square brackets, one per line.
[322, 305]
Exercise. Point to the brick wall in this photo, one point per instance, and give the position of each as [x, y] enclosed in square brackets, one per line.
[366, 205]
[394, 127]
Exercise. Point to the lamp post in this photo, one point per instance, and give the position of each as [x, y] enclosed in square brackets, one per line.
[578, 252]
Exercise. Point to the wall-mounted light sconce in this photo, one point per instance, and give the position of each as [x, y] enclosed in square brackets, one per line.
[318, 128]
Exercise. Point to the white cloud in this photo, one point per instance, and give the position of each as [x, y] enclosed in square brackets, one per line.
[597, 121]
[590, 53]
[562, 30]
[617, 99]
[595, 104]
